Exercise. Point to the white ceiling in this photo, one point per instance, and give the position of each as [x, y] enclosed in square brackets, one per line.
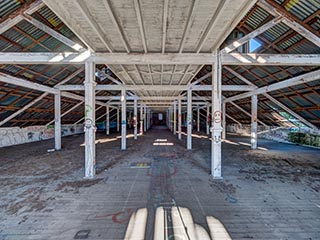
[148, 26]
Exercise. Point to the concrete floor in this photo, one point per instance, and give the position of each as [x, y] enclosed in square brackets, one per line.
[270, 193]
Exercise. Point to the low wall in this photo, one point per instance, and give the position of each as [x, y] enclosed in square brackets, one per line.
[303, 136]
[16, 135]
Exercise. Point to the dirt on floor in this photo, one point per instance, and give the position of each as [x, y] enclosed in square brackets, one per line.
[34, 181]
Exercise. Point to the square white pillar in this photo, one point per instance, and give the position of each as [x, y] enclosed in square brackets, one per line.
[208, 120]
[224, 126]
[141, 119]
[145, 118]
[170, 120]
[254, 122]
[198, 119]
[216, 118]
[135, 120]
[175, 118]
[189, 119]
[57, 121]
[90, 116]
[148, 119]
[107, 120]
[179, 119]
[123, 120]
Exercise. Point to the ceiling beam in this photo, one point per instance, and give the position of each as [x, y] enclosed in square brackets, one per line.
[233, 46]
[9, 23]
[158, 58]
[287, 19]
[304, 78]
[246, 113]
[42, 88]
[53, 33]
[281, 105]
[251, 59]
[157, 87]
[24, 108]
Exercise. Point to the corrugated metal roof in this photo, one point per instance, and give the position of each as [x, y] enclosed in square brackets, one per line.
[279, 39]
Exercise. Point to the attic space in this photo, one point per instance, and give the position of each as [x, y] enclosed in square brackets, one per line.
[159, 119]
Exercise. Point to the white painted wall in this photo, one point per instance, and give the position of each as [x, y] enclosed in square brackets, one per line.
[15, 135]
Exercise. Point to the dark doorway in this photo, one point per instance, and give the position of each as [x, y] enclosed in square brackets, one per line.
[159, 119]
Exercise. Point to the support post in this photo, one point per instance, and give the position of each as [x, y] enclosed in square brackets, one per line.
[107, 120]
[141, 119]
[254, 121]
[175, 118]
[170, 121]
[123, 120]
[148, 119]
[118, 119]
[179, 119]
[57, 121]
[189, 119]
[198, 120]
[145, 118]
[216, 118]
[208, 120]
[90, 129]
[135, 120]
[224, 126]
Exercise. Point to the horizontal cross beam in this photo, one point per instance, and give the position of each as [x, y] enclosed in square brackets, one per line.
[157, 87]
[159, 58]
[304, 78]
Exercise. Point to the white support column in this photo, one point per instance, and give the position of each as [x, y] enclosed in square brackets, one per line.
[145, 118]
[141, 119]
[254, 121]
[107, 120]
[224, 126]
[118, 119]
[123, 120]
[57, 121]
[135, 119]
[90, 129]
[148, 119]
[208, 120]
[216, 118]
[189, 119]
[170, 122]
[175, 118]
[179, 119]
[198, 119]
[171, 118]
[167, 117]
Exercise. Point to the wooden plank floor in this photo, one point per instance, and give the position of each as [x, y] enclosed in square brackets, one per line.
[270, 193]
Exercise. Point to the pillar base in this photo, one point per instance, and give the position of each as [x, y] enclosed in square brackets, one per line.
[217, 178]
[89, 178]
